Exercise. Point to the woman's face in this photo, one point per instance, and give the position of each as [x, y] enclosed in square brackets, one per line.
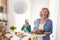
[44, 13]
[26, 21]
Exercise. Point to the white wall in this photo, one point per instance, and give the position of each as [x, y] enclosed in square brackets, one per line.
[20, 18]
[58, 24]
[32, 13]
[36, 7]
[15, 18]
[53, 6]
[11, 14]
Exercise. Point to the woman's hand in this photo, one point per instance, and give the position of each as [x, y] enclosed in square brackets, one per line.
[47, 33]
[25, 31]
[31, 32]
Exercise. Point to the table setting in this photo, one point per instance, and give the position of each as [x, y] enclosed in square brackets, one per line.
[22, 35]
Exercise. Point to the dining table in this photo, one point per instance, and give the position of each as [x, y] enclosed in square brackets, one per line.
[28, 35]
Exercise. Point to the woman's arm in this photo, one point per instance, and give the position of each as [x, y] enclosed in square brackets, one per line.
[29, 28]
[22, 27]
[49, 28]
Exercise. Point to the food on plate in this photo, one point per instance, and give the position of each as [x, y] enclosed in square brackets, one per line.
[17, 33]
[20, 34]
[39, 31]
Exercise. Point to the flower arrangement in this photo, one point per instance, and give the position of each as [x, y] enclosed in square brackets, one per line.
[13, 28]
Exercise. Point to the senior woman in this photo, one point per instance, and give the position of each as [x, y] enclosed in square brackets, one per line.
[26, 27]
[44, 23]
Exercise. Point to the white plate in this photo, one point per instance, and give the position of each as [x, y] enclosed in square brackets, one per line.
[41, 35]
[8, 35]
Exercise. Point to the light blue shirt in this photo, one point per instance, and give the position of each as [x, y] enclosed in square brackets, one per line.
[48, 27]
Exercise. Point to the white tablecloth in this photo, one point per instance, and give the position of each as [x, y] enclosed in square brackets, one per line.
[17, 38]
[40, 37]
